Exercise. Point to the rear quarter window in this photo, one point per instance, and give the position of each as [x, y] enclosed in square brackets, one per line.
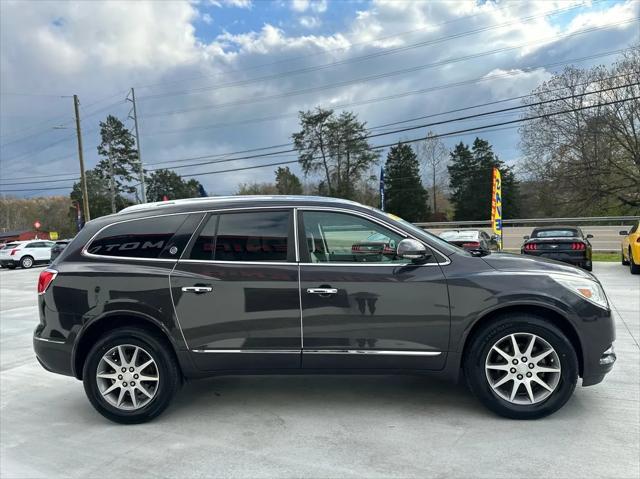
[143, 238]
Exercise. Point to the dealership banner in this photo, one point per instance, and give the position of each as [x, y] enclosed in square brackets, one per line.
[496, 205]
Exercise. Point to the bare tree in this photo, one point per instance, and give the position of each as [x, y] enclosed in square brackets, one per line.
[433, 157]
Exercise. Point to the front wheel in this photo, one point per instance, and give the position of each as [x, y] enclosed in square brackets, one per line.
[130, 376]
[521, 367]
[26, 262]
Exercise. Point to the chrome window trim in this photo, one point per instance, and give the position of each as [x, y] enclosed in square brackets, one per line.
[381, 222]
[85, 252]
[280, 207]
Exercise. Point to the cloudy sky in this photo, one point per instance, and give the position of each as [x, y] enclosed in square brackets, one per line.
[220, 76]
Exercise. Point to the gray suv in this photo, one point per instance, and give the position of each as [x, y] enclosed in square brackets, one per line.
[160, 293]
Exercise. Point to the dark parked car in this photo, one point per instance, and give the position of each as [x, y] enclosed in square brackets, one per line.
[162, 292]
[57, 248]
[471, 240]
[563, 243]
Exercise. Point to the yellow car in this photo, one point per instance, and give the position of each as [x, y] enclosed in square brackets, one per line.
[631, 248]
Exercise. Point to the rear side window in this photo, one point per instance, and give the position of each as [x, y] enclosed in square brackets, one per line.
[251, 236]
[145, 238]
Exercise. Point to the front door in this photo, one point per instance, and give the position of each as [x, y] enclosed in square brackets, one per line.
[236, 292]
[362, 307]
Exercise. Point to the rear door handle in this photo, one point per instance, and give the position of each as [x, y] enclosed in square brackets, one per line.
[197, 289]
[322, 290]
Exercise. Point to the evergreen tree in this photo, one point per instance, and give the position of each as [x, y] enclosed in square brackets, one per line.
[168, 183]
[287, 182]
[120, 166]
[471, 174]
[405, 195]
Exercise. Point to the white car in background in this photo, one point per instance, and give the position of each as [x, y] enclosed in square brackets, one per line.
[26, 253]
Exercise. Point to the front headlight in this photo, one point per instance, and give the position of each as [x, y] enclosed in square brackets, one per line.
[583, 287]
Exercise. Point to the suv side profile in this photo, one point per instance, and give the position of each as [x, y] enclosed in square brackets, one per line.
[26, 254]
[141, 300]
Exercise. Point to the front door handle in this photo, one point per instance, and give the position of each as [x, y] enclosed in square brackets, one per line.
[322, 290]
[197, 289]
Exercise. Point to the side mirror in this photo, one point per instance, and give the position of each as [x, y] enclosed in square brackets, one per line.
[526, 237]
[412, 250]
[495, 238]
[589, 236]
[624, 233]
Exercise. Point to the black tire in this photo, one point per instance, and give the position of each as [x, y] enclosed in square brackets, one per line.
[588, 267]
[480, 346]
[635, 268]
[624, 261]
[26, 262]
[167, 369]
[11, 266]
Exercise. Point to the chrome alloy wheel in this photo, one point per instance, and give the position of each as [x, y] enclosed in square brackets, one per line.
[127, 377]
[523, 368]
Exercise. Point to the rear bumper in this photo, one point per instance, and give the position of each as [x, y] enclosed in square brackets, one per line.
[582, 260]
[8, 262]
[53, 355]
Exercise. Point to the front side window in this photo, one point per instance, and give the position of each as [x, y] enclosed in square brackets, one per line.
[340, 237]
[246, 236]
[145, 238]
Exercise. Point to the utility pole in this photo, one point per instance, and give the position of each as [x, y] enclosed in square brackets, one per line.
[143, 193]
[83, 178]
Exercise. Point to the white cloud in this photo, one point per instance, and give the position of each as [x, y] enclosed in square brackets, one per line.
[206, 18]
[310, 22]
[232, 3]
[100, 49]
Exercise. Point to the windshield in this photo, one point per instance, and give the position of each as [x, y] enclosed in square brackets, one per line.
[564, 233]
[444, 246]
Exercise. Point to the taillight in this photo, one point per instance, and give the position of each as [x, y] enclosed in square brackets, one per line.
[471, 244]
[578, 246]
[45, 279]
[13, 251]
[531, 246]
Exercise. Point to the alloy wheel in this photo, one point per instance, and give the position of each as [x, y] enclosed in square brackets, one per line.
[522, 368]
[127, 377]
[27, 262]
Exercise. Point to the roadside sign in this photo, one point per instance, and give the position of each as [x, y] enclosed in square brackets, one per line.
[53, 235]
[37, 224]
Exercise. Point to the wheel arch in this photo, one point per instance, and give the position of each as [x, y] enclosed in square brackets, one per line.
[544, 312]
[96, 329]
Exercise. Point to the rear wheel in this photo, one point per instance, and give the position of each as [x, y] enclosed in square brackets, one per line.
[521, 367]
[635, 268]
[130, 376]
[26, 262]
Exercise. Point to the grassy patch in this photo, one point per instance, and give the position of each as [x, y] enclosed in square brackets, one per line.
[609, 257]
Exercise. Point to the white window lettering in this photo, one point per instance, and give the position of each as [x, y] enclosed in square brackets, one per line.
[129, 246]
[149, 244]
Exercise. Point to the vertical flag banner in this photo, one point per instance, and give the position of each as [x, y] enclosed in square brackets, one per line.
[382, 188]
[496, 205]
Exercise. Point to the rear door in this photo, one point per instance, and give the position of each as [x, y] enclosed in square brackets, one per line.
[362, 307]
[236, 294]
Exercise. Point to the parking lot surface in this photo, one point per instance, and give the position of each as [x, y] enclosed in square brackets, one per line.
[314, 426]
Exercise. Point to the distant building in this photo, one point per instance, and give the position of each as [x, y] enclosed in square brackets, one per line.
[22, 235]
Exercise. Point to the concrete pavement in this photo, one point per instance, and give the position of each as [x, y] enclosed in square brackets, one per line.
[314, 426]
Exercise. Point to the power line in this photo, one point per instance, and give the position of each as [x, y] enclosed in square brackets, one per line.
[356, 59]
[357, 44]
[406, 94]
[402, 130]
[379, 76]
